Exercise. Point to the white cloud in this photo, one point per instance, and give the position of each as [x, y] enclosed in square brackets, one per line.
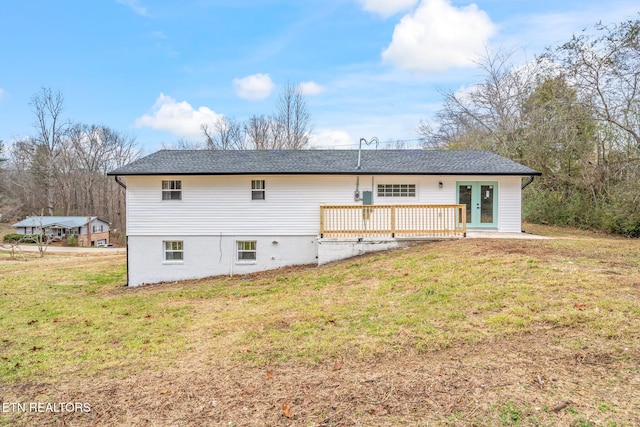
[135, 6]
[311, 88]
[439, 36]
[179, 118]
[2, 92]
[386, 8]
[331, 138]
[253, 87]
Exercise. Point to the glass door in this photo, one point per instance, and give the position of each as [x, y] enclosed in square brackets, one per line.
[481, 200]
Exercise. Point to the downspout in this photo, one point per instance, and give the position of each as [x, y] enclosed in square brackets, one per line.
[526, 184]
[122, 184]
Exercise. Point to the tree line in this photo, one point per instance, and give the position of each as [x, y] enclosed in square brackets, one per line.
[288, 128]
[61, 168]
[572, 114]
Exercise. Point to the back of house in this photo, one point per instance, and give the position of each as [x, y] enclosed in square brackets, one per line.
[199, 213]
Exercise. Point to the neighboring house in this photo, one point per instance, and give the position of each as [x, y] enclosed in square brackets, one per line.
[91, 231]
[193, 214]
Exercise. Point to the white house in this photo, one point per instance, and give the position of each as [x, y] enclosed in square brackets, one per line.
[193, 214]
[89, 231]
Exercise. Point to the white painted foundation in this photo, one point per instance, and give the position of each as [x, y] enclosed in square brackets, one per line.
[206, 256]
[330, 250]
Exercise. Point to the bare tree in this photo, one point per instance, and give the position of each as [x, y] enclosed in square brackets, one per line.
[605, 69]
[13, 246]
[91, 151]
[122, 150]
[289, 128]
[488, 114]
[185, 144]
[395, 144]
[292, 119]
[42, 239]
[258, 131]
[226, 134]
[22, 187]
[2, 175]
[47, 106]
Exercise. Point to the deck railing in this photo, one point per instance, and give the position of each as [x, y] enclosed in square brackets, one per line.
[395, 221]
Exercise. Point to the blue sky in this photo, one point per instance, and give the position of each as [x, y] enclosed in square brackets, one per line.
[157, 69]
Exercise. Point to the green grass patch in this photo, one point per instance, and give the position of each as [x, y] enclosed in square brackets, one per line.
[68, 313]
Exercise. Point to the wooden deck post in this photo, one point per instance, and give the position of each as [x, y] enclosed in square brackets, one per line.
[393, 221]
[462, 209]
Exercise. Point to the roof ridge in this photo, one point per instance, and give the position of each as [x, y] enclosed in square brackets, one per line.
[312, 162]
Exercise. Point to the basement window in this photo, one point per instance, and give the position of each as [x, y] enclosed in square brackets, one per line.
[396, 190]
[172, 190]
[173, 250]
[246, 250]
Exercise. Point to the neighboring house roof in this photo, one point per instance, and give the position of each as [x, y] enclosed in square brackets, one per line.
[333, 162]
[56, 221]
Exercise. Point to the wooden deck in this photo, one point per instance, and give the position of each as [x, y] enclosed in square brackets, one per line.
[393, 221]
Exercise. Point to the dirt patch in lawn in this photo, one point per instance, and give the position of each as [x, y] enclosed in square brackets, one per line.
[549, 377]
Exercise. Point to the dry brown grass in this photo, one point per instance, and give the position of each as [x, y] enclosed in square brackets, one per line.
[513, 381]
[459, 333]
[6, 228]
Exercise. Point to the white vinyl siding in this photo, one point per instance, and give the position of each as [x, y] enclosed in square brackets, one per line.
[510, 204]
[220, 204]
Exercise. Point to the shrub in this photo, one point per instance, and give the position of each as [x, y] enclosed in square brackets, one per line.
[24, 238]
[9, 238]
[72, 241]
[618, 213]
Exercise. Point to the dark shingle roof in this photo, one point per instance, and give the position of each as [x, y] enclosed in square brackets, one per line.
[334, 162]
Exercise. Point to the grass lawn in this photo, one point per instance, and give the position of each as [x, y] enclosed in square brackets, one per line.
[467, 332]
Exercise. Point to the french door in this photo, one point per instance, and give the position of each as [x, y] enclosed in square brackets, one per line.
[481, 200]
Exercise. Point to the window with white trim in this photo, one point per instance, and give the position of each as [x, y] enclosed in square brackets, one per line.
[172, 190]
[246, 250]
[173, 250]
[396, 190]
[257, 189]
